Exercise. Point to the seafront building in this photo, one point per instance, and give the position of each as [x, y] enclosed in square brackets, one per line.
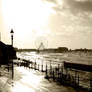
[7, 52]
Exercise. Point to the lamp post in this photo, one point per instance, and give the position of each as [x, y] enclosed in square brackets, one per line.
[11, 32]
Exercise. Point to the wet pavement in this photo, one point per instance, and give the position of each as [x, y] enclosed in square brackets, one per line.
[29, 80]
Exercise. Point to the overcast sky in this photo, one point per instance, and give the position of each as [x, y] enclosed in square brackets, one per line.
[56, 22]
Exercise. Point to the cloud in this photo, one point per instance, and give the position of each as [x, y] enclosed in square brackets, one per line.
[74, 6]
[71, 13]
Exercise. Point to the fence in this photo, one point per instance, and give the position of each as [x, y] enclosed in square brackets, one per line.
[66, 76]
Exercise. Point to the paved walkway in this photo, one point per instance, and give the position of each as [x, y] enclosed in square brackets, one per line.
[26, 80]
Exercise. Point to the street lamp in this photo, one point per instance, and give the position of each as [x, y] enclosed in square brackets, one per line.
[11, 32]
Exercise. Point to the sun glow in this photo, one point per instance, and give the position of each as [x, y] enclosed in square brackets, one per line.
[28, 18]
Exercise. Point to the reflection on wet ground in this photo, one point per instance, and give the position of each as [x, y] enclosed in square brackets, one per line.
[26, 80]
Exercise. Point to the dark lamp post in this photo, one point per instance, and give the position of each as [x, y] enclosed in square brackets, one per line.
[12, 32]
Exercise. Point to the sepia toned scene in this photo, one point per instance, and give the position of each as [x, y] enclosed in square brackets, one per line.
[45, 46]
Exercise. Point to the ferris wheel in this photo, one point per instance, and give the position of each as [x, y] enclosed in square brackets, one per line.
[41, 43]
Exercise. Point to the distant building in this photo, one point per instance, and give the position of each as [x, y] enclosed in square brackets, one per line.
[7, 52]
[62, 49]
[55, 50]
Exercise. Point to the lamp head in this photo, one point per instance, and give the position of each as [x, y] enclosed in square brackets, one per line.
[11, 32]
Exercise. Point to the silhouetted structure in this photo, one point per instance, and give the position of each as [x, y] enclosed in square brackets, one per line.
[83, 50]
[77, 66]
[7, 52]
[26, 50]
[62, 49]
[56, 50]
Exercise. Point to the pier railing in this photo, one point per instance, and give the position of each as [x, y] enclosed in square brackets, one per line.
[61, 73]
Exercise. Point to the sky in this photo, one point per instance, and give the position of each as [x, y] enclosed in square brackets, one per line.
[56, 23]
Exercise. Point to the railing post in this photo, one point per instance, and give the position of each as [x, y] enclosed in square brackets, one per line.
[35, 65]
[53, 75]
[42, 67]
[46, 71]
[75, 78]
[58, 70]
[90, 84]
[38, 67]
[78, 81]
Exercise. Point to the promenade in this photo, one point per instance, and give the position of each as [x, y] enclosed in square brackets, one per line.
[30, 80]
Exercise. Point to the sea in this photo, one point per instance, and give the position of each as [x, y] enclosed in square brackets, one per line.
[57, 58]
